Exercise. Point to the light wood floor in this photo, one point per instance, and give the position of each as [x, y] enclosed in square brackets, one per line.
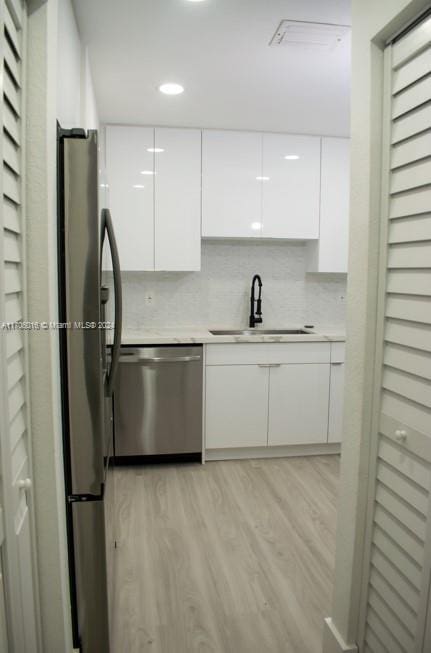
[229, 557]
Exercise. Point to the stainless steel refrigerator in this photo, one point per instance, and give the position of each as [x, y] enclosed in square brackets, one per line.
[89, 360]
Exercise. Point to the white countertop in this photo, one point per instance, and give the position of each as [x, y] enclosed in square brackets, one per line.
[201, 335]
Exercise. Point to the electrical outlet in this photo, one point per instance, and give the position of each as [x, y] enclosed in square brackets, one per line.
[148, 298]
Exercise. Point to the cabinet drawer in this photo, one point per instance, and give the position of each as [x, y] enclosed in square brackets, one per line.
[298, 352]
[270, 352]
[338, 352]
[236, 354]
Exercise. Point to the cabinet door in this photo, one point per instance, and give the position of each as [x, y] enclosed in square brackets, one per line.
[130, 173]
[178, 199]
[329, 254]
[298, 404]
[231, 184]
[236, 409]
[291, 186]
[336, 400]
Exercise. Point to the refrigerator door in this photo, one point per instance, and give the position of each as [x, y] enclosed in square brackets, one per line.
[90, 576]
[110, 520]
[82, 308]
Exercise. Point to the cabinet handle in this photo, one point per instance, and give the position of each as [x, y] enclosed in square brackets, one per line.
[337, 363]
[269, 365]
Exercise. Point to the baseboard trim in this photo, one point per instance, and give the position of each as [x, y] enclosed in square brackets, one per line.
[333, 642]
[273, 452]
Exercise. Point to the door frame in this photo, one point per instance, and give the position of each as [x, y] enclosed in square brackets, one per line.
[10, 489]
[386, 127]
[42, 304]
[341, 631]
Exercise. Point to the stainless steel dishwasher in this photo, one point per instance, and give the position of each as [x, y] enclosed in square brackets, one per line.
[158, 403]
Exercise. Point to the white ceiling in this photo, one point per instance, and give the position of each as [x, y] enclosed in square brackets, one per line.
[218, 50]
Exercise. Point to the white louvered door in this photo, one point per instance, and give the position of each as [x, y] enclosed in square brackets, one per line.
[4, 644]
[17, 585]
[398, 539]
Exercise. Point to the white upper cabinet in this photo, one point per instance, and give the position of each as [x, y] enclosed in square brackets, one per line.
[231, 184]
[131, 193]
[170, 187]
[330, 253]
[250, 189]
[177, 199]
[154, 178]
[290, 186]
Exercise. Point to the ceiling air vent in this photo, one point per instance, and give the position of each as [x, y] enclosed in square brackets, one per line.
[323, 37]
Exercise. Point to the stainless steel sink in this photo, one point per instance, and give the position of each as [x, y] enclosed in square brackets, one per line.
[259, 332]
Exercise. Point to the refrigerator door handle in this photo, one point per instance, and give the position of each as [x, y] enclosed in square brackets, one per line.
[118, 314]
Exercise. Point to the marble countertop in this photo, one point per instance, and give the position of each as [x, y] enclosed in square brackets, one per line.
[201, 335]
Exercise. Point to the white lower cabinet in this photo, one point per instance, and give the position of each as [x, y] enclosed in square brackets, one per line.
[336, 396]
[336, 392]
[260, 395]
[298, 404]
[236, 406]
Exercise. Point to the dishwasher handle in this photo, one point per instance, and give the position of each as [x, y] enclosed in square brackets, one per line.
[136, 359]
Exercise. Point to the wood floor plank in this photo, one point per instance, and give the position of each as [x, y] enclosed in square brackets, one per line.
[227, 557]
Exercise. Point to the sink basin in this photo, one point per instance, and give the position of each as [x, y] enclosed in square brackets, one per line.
[258, 332]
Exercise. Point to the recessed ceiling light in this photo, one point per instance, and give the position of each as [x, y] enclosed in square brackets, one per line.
[138, 186]
[291, 157]
[155, 149]
[170, 88]
[256, 226]
[263, 178]
[147, 172]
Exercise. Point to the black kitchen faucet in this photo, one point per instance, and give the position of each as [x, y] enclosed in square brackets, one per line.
[255, 315]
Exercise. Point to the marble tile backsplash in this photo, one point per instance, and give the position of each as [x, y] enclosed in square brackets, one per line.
[219, 293]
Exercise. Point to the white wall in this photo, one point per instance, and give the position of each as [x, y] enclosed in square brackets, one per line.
[76, 102]
[68, 67]
[59, 87]
[373, 23]
[219, 294]
[88, 99]
[44, 386]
